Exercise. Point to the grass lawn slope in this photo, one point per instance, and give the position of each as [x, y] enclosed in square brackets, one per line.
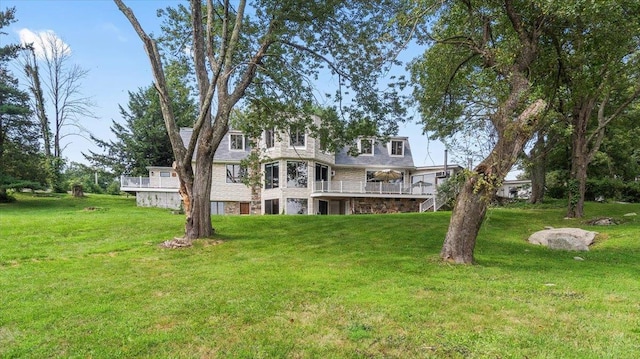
[86, 278]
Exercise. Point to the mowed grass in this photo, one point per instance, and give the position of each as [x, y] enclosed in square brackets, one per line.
[79, 283]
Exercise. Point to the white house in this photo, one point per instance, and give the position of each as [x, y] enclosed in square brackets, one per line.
[301, 178]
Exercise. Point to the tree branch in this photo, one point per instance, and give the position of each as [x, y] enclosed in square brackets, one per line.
[160, 82]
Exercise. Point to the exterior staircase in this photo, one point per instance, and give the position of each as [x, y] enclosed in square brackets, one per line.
[432, 204]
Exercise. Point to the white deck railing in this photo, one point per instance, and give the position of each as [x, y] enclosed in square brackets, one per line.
[354, 187]
[146, 182]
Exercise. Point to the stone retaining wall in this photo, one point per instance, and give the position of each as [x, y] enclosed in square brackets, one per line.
[385, 205]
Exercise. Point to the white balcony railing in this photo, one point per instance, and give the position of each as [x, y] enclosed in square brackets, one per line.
[146, 182]
[354, 187]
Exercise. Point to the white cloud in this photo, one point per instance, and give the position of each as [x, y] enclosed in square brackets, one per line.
[45, 42]
[111, 28]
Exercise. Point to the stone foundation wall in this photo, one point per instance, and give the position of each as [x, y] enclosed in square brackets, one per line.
[232, 208]
[385, 205]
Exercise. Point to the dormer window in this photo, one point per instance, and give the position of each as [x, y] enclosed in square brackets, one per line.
[236, 142]
[396, 148]
[296, 137]
[366, 146]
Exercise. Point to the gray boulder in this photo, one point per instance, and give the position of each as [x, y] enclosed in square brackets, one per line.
[568, 239]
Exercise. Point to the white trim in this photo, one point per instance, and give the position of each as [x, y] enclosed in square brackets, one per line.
[390, 148]
[373, 148]
[231, 142]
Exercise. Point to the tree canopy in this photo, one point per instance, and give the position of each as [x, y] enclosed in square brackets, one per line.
[268, 53]
[142, 139]
[20, 160]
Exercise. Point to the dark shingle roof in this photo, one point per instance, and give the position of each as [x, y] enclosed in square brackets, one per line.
[223, 153]
[380, 158]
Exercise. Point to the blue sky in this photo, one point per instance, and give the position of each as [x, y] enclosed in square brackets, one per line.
[103, 42]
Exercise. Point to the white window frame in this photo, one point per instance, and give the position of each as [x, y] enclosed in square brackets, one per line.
[230, 178]
[231, 142]
[297, 133]
[296, 166]
[360, 147]
[391, 148]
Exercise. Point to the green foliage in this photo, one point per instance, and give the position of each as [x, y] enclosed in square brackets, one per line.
[449, 190]
[353, 43]
[614, 189]
[8, 183]
[460, 79]
[142, 139]
[610, 189]
[83, 272]
[81, 174]
[556, 182]
[20, 157]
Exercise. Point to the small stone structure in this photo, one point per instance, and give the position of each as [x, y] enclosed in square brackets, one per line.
[568, 239]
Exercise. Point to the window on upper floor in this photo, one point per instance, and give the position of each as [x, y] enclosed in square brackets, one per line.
[366, 146]
[296, 136]
[270, 138]
[236, 173]
[236, 142]
[297, 174]
[322, 172]
[397, 148]
[272, 175]
[165, 174]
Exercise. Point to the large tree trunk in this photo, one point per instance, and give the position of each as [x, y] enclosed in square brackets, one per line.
[195, 184]
[579, 158]
[538, 170]
[198, 212]
[481, 186]
[198, 219]
[466, 219]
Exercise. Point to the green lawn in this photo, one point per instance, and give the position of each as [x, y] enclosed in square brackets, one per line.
[94, 283]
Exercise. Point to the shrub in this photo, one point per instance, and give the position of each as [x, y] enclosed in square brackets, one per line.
[612, 189]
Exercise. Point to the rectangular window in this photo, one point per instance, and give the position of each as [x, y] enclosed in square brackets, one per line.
[271, 175]
[217, 208]
[271, 206]
[270, 138]
[235, 173]
[297, 174]
[296, 136]
[366, 147]
[297, 206]
[165, 174]
[322, 172]
[236, 142]
[397, 148]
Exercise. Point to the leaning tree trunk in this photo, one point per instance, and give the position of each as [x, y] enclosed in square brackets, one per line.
[466, 219]
[481, 186]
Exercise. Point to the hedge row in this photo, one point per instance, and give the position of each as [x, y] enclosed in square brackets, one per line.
[610, 189]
